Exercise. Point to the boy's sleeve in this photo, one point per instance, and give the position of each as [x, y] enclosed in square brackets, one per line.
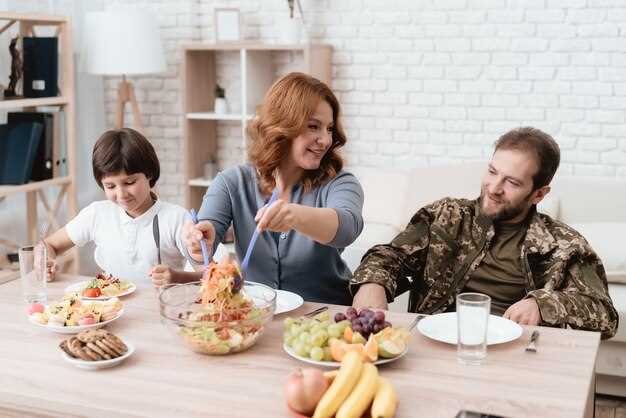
[81, 228]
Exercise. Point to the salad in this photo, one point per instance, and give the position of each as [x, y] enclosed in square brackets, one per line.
[71, 311]
[105, 285]
[224, 318]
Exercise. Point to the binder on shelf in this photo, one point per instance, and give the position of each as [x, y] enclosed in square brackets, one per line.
[43, 165]
[41, 66]
[18, 148]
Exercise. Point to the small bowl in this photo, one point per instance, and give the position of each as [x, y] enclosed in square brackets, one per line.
[220, 336]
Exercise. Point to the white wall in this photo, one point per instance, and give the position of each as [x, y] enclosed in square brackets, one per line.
[426, 82]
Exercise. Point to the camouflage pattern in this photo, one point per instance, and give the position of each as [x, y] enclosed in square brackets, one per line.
[444, 243]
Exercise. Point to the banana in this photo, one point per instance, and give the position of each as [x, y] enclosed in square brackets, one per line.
[341, 387]
[385, 400]
[330, 376]
[361, 395]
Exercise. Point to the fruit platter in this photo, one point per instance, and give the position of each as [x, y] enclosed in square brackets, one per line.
[324, 341]
[72, 315]
[221, 314]
[102, 287]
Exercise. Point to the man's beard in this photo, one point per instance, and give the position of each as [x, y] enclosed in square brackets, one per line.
[507, 212]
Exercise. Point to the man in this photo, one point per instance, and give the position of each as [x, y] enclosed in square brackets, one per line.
[537, 271]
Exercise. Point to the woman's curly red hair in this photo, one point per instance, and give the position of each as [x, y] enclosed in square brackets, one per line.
[284, 114]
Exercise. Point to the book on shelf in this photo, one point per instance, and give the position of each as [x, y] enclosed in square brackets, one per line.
[18, 149]
[43, 164]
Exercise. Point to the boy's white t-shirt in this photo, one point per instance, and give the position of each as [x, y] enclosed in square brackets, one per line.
[125, 246]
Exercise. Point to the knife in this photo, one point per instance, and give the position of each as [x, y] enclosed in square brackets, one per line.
[157, 238]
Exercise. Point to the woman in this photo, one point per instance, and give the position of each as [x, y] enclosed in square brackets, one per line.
[295, 140]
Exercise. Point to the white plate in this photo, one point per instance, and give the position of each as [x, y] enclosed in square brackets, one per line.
[442, 327]
[77, 328]
[293, 354]
[80, 286]
[102, 364]
[287, 301]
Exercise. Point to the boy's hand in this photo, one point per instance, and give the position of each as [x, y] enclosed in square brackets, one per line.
[161, 275]
[51, 269]
[193, 233]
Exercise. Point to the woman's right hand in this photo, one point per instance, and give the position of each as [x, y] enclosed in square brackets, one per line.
[193, 233]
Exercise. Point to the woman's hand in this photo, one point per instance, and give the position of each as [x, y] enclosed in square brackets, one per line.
[51, 269]
[161, 275]
[280, 216]
[193, 233]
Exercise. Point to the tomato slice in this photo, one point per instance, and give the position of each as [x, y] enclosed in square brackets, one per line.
[92, 292]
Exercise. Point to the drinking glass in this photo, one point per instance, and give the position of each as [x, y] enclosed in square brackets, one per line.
[33, 273]
[472, 314]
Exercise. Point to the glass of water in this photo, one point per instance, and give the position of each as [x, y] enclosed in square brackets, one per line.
[472, 317]
[33, 273]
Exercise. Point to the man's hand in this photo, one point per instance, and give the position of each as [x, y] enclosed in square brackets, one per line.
[192, 234]
[161, 275]
[370, 295]
[524, 312]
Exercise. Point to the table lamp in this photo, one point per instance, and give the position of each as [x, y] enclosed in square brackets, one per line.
[123, 42]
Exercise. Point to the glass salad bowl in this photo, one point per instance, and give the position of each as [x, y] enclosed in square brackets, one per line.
[210, 329]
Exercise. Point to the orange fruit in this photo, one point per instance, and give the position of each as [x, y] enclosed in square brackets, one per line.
[347, 334]
[371, 349]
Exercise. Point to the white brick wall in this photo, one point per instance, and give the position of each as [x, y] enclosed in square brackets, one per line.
[425, 82]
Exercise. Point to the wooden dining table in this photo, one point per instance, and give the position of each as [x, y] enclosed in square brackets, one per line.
[163, 378]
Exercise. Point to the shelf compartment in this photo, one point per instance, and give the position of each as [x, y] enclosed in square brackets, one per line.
[33, 102]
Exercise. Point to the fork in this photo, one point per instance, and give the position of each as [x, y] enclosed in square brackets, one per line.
[316, 311]
[531, 347]
[417, 319]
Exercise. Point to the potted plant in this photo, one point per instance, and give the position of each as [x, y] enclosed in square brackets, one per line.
[221, 105]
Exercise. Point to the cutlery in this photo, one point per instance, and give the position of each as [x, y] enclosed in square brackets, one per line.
[531, 347]
[156, 235]
[255, 236]
[316, 311]
[203, 243]
[417, 319]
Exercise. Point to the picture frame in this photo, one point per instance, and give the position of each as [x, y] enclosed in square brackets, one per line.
[227, 23]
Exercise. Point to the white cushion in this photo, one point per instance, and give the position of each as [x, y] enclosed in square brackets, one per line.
[550, 205]
[372, 234]
[618, 295]
[607, 239]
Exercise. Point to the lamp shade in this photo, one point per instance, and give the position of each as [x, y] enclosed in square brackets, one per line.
[122, 42]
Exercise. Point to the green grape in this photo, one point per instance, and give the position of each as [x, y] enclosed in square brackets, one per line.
[326, 323]
[318, 339]
[327, 355]
[343, 325]
[317, 353]
[323, 316]
[335, 330]
[304, 336]
[300, 348]
[295, 329]
[307, 349]
[316, 328]
[288, 322]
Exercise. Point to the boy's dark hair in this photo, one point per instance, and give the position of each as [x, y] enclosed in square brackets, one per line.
[124, 150]
[543, 147]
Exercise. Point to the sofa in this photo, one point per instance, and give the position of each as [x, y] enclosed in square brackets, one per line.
[596, 207]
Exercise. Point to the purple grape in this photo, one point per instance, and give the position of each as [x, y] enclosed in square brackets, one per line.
[364, 312]
[339, 317]
[379, 317]
[377, 328]
[351, 315]
[367, 329]
[357, 328]
[351, 311]
[364, 321]
[386, 324]
[355, 322]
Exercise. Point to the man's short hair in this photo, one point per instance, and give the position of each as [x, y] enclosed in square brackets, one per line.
[534, 141]
[124, 150]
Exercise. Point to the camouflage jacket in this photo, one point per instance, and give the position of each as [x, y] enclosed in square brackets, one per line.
[444, 243]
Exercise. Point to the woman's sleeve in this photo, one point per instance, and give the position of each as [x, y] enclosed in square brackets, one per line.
[217, 208]
[345, 196]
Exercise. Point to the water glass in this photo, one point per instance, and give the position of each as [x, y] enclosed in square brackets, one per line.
[472, 314]
[33, 272]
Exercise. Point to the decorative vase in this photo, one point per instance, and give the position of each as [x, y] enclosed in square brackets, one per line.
[220, 106]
